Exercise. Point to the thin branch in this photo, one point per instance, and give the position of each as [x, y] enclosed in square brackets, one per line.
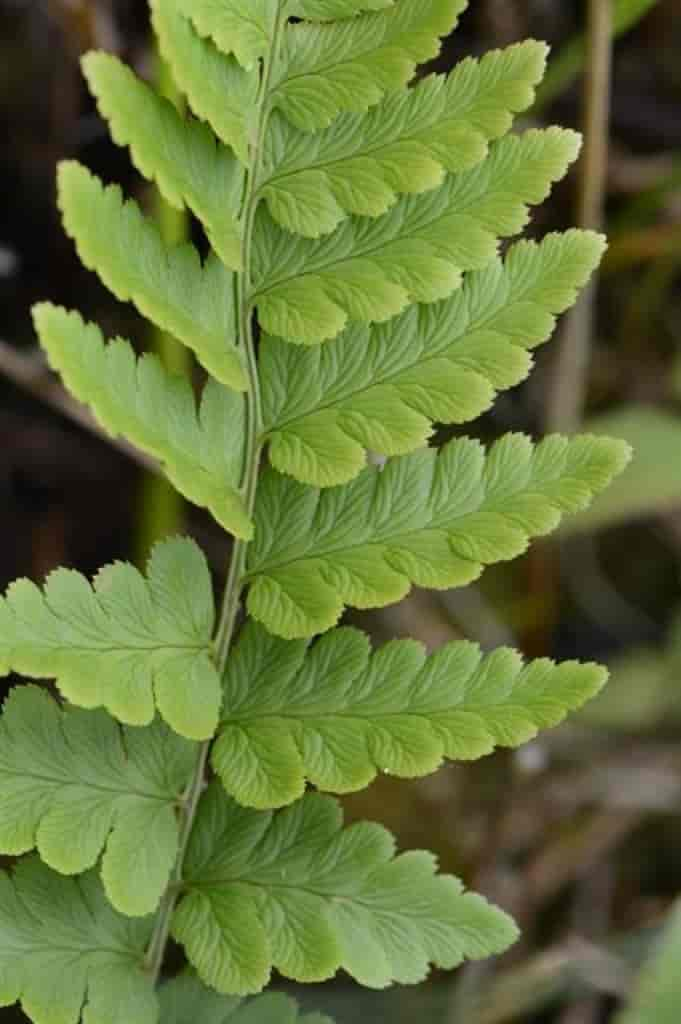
[568, 390]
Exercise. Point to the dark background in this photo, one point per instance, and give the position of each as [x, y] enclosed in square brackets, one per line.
[579, 834]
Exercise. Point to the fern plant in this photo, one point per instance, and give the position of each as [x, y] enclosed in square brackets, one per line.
[353, 296]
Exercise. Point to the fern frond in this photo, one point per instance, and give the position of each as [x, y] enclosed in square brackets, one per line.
[128, 644]
[239, 27]
[371, 270]
[361, 164]
[192, 302]
[383, 388]
[185, 998]
[74, 784]
[219, 90]
[335, 10]
[201, 451]
[180, 154]
[296, 892]
[336, 714]
[65, 952]
[429, 519]
[353, 64]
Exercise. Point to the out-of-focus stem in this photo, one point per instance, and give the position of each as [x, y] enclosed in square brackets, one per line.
[569, 384]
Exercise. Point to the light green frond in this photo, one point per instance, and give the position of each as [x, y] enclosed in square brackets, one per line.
[336, 715]
[201, 450]
[239, 27]
[129, 644]
[362, 163]
[335, 10]
[383, 388]
[74, 783]
[185, 999]
[180, 154]
[297, 892]
[219, 90]
[429, 519]
[64, 951]
[192, 302]
[353, 64]
[371, 270]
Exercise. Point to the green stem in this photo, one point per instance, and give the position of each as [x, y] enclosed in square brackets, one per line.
[253, 446]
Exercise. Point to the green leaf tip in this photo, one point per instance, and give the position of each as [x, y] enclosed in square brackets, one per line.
[431, 519]
[297, 892]
[74, 784]
[201, 449]
[127, 643]
[336, 714]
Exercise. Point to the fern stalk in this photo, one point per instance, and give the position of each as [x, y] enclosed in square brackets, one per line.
[254, 443]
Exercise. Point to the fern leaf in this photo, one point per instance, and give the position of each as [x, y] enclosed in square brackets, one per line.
[64, 951]
[74, 783]
[336, 714]
[128, 644]
[295, 892]
[429, 519]
[181, 155]
[185, 998]
[383, 388]
[334, 10]
[370, 270]
[219, 90]
[201, 450]
[239, 27]
[361, 164]
[353, 64]
[168, 285]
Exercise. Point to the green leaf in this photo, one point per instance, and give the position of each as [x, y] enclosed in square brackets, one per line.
[127, 644]
[383, 388]
[240, 27]
[652, 482]
[64, 951]
[74, 784]
[657, 995]
[334, 10]
[185, 999]
[180, 154]
[201, 450]
[217, 88]
[296, 892]
[192, 302]
[371, 270]
[429, 519]
[361, 164]
[353, 64]
[336, 714]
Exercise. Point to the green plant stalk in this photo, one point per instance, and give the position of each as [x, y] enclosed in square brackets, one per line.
[161, 509]
[253, 447]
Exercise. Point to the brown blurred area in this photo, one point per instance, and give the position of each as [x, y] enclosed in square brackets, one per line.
[579, 834]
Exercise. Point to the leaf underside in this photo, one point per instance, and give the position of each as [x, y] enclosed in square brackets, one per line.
[431, 519]
[128, 643]
[336, 715]
[63, 950]
[296, 892]
[74, 784]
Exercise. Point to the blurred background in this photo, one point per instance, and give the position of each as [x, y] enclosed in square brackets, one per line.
[578, 834]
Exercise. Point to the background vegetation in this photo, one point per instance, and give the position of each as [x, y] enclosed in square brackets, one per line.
[579, 834]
